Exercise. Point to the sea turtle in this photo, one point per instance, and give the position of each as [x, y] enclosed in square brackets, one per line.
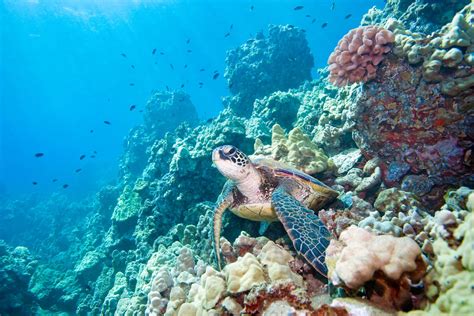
[267, 190]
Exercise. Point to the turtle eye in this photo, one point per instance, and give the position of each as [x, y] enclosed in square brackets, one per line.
[229, 150]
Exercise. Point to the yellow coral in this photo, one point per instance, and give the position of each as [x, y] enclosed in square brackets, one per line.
[277, 259]
[244, 274]
[454, 273]
[297, 150]
[451, 48]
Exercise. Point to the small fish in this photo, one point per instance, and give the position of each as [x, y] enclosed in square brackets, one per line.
[231, 85]
[37, 155]
[107, 122]
[55, 180]
[123, 55]
[182, 85]
[92, 156]
[333, 5]
[185, 65]
[347, 16]
[82, 157]
[133, 66]
[313, 20]
[307, 15]
[298, 7]
[216, 75]
[189, 51]
[91, 131]
[132, 107]
[78, 170]
[34, 183]
[167, 88]
[188, 40]
[131, 84]
[202, 69]
[65, 186]
[227, 34]
[171, 66]
[161, 53]
[141, 111]
[95, 152]
[251, 8]
[201, 83]
[153, 51]
[209, 120]
[324, 25]
[231, 27]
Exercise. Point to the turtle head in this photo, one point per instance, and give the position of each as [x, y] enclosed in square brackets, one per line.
[231, 162]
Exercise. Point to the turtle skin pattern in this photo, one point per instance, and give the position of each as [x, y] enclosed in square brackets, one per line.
[309, 235]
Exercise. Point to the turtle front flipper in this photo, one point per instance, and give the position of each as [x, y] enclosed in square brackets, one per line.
[223, 202]
[309, 235]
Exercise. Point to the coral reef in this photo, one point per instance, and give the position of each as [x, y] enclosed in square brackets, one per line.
[296, 150]
[453, 274]
[278, 108]
[16, 269]
[446, 56]
[261, 276]
[413, 130]
[395, 146]
[278, 62]
[357, 55]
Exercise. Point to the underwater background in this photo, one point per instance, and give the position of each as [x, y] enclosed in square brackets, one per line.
[110, 111]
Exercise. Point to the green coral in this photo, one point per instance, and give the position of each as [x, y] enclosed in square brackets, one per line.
[128, 205]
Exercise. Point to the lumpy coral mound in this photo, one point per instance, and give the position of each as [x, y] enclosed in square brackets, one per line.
[357, 55]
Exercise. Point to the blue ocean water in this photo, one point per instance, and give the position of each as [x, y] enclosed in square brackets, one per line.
[62, 74]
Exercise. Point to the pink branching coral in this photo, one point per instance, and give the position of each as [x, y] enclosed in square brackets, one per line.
[358, 53]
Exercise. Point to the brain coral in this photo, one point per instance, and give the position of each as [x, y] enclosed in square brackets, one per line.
[357, 55]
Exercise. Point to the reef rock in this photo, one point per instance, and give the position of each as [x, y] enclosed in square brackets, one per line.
[266, 64]
[17, 266]
[414, 130]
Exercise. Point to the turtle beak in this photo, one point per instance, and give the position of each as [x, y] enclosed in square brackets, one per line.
[216, 155]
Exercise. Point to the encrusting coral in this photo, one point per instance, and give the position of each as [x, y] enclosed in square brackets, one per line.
[357, 55]
[297, 150]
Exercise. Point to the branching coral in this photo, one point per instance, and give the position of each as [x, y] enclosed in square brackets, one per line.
[358, 54]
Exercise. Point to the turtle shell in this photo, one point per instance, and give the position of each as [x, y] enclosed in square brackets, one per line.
[281, 169]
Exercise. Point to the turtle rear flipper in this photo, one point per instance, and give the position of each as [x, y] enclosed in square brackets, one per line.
[309, 235]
